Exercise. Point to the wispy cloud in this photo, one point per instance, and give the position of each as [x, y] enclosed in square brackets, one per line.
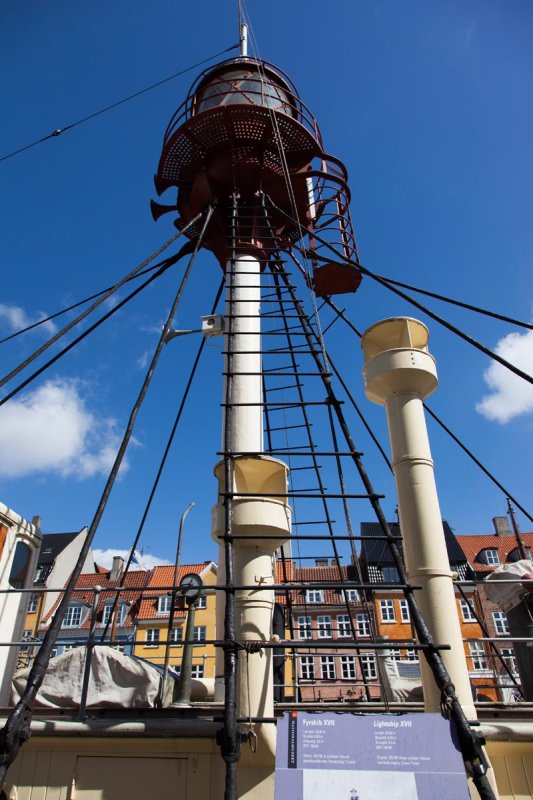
[104, 558]
[469, 33]
[51, 430]
[15, 319]
[510, 395]
[142, 361]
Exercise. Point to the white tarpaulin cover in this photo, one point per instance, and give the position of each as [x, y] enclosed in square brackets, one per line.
[508, 595]
[401, 680]
[116, 680]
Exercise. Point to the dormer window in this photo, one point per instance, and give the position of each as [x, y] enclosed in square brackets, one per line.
[490, 556]
[515, 555]
[352, 595]
[75, 616]
[122, 613]
[164, 604]
[314, 596]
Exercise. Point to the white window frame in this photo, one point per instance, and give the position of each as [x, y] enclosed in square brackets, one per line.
[201, 602]
[501, 624]
[199, 634]
[363, 625]
[164, 604]
[352, 595]
[70, 613]
[152, 637]
[34, 602]
[324, 626]
[314, 596]
[344, 629]
[466, 611]
[387, 611]
[369, 666]
[307, 668]
[395, 654]
[122, 613]
[509, 657]
[348, 668]
[197, 671]
[411, 655]
[478, 657]
[176, 635]
[327, 668]
[405, 616]
[304, 629]
[492, 557]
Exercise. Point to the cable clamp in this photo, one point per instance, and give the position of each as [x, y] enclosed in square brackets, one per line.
[252, 740]
[253, 647]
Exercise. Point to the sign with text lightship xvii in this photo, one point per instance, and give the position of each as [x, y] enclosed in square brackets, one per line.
[348, 756]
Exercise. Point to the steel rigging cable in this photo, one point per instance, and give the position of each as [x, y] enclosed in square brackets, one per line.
[437, 419]
[384, 282]
[166, 265]
[69, 127]
[57, 314]
[95, 305]
[162, 462]
[17, 727]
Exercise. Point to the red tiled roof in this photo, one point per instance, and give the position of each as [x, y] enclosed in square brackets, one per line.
[133, 581]
[164, 576]
[474, 544]
[313, 575]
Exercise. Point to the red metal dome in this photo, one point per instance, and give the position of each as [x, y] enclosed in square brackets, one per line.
[244, 133]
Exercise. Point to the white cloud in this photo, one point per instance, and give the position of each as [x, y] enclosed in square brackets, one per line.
[52, 430]
[142, 361]
[16, 319]
[104, 558]
[510, 395]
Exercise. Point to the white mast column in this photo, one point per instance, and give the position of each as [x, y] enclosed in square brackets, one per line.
[399, 373]
[264, 521]
[243, 336]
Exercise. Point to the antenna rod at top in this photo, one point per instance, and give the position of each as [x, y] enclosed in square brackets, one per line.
[244, 39]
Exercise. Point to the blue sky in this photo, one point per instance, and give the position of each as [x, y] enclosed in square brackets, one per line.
[427, 104]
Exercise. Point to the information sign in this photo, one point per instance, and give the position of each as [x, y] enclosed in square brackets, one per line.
[347, 756]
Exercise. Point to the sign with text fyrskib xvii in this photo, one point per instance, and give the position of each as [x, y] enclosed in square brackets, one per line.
[368, 757]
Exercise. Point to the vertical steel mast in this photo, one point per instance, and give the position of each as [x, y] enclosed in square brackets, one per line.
[244, 143]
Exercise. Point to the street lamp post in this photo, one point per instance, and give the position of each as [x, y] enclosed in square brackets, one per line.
[190, 587]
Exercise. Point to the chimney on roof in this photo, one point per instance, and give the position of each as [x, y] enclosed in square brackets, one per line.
[37, 521]
[117, 569]
[501, 526]
[321, 562]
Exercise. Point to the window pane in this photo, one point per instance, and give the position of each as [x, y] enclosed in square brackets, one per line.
[368, 665]
[327, 665]
[19, 566]
[304, 628]
[363, 624]
[500, 623]
[478, 659]
[324, 627]
[387, 610]
[467, 611]
[343, 625]
[348, 667]
[199, 633]
[307, 668]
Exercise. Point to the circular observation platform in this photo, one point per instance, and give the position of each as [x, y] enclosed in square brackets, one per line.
[241, 131]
